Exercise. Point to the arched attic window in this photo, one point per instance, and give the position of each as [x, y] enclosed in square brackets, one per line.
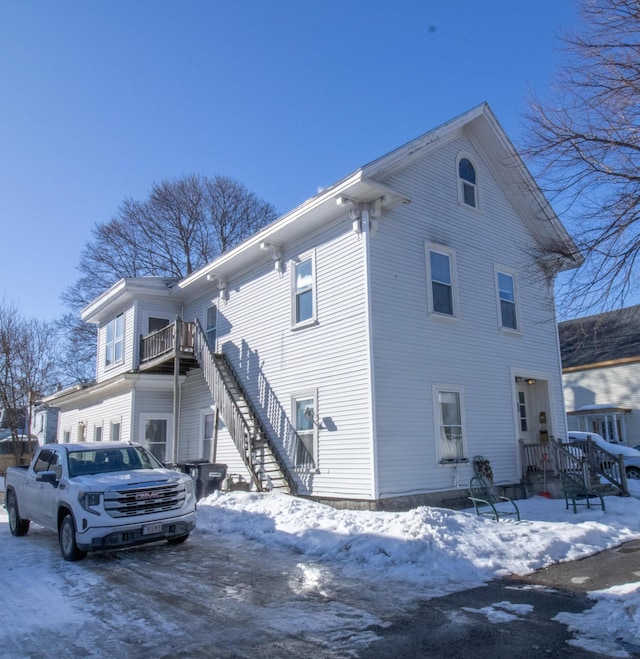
[467, 182]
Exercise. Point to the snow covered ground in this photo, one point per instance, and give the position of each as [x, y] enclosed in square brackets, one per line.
[425, 552]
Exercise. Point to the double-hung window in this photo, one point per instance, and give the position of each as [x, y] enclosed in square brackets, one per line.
[450, 441]
[507, 300]
[212, 321]
[114, 347]
[303, 292]
[467, 190]
[304, 445]
[441, 272]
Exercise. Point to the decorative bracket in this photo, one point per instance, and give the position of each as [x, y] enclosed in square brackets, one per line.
[220, 282]
[276, 253]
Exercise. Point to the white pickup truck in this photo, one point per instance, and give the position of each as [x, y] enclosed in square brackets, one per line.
[100, 496]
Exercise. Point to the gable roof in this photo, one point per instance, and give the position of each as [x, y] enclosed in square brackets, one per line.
[367, 184]
[603, 339]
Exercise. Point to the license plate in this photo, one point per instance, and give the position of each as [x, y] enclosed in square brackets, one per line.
[150, 529]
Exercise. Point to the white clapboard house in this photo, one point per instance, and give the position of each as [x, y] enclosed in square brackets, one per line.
[363, 347]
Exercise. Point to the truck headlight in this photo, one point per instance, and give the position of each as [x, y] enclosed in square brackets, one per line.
[90, 501]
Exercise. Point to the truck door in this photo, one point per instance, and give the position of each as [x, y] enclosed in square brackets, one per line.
[33, 489]
[48, 492]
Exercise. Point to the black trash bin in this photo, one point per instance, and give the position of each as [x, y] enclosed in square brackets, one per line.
[209, 479]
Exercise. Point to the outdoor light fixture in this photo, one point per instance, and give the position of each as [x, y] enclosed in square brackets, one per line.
[530, 381]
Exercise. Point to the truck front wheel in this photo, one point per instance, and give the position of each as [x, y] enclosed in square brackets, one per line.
[17, 525]
[67, 537]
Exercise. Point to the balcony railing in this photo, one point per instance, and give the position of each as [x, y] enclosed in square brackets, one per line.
[172, 339]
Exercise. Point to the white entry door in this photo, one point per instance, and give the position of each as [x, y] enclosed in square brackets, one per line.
[527, 434]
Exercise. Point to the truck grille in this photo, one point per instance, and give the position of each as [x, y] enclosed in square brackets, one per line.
[143, 501]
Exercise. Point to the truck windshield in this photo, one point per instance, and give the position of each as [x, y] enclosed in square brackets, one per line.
[102, 460]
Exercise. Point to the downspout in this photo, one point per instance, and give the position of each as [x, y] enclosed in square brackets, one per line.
[176, 390]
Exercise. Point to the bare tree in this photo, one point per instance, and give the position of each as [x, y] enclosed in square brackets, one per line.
[183, 225]
[584, 144]
[29, 361]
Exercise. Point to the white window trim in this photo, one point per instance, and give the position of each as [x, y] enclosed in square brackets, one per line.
[309, 393]
[112, 422]
[115, 362]
[314, 310]
[460, 180]
[436, 389]
[214, 304]
[99, 425]
[435, 247]
[498, 269]
[205, 411]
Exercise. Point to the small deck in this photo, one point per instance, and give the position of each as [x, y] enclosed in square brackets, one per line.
[159, 350]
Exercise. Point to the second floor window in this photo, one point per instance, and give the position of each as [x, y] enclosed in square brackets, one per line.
[507, 300]
[114, 349]
[303, 291]
[212, 320]
[441, 281]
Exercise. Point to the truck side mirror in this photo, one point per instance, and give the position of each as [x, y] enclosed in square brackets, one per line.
[47, 477]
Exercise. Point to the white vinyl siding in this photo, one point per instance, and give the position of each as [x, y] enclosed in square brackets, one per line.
[609, 385]
[254, 330]
[411, 353]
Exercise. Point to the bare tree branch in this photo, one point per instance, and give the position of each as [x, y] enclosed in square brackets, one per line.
[583, 143]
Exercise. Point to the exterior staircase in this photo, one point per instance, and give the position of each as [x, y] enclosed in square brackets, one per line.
[546, 463]
[268, 469]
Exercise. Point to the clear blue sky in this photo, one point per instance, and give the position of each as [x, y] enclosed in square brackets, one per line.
[100, 99]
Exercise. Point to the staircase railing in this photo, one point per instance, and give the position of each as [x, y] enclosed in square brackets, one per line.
[578, 457]
[246, 429]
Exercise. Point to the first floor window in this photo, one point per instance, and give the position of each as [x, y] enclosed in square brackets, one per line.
[207, 437]
[507, 299]
[155, 437]
[66, 436]
[450, 427]
[97, 433]
[115, 431]
[304, 409]
[114, 347]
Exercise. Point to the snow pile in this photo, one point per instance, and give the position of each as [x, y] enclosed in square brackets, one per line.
[438, 551]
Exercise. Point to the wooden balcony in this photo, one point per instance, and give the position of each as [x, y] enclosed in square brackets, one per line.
[159, 350]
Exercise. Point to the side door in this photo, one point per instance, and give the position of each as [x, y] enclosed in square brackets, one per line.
[34, 510]
[28, 500]
[48, 492]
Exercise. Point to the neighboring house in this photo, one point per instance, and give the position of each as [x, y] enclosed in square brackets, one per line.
[601, 373]
[44, 424]
[362, 348]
